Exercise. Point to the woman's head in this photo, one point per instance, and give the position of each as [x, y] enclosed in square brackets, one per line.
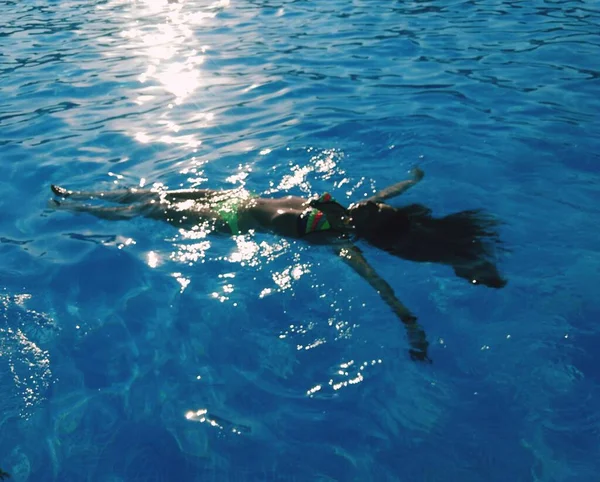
[366, 219]
[463, 240]
[372, 219]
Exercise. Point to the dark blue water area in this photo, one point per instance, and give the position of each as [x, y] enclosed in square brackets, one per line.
[135, 351]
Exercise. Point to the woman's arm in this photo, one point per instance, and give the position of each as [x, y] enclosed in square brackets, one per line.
[416, 335]
[398, 188]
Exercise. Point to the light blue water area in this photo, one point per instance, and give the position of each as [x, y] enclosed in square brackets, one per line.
[132, 351]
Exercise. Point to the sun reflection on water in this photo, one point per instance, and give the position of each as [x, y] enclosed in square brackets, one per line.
[284, 278]
[325, 164]
[202, 415]
[251, 253]
[160, 39]
[347, 374]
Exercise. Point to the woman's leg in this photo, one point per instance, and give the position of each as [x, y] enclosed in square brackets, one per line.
[133, 195]
[112, 213]
[122, 196]
[180, 218]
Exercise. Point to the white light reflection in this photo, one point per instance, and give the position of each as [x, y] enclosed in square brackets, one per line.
[241, 176]
[183, 281]
[347, 375]
[313, 390]
[180, 79]
[325, 163]
[196, 251]
[247, 251]
[197, 416]
[312, 345]
[127, 242]
[161, 42]
[191, 253]
[195, 172]
[251, 253]
[343, 328]
[227, 288]
[303, 330]
[153, 259]
[284, 278]
[19, 299]
[202, 416]
[265, 292]
[142, 137]
[27, 365]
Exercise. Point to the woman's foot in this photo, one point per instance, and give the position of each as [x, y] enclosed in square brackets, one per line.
[59, 191]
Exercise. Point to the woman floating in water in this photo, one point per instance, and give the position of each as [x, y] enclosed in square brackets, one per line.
[463, 240]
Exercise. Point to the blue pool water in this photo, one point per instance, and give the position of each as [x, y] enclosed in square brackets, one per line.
[131, 351]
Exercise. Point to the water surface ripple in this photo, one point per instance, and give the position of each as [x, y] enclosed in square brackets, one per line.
[136, 352]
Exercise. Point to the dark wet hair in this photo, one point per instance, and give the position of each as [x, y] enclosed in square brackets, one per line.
[380, 228]
[466, 240]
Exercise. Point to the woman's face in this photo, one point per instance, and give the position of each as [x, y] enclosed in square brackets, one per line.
[366, 213]
[377, 217]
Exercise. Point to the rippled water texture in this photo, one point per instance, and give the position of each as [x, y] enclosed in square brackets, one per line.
[131, 351]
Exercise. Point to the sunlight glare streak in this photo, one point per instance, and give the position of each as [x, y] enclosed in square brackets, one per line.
[194, 168]
[143, 138]
[284, 278]
[347, 378]
[180, 80]
[25, 363]
[240, 176]
[202, 416]
[127, 242]
[191, 253]
[168, 54]
[184, 282]
[265, 292]
[313, 390]
[153, 259]
[247, 251]
[310, 346]
[325, 163]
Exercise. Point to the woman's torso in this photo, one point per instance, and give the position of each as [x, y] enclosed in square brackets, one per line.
[239, 211]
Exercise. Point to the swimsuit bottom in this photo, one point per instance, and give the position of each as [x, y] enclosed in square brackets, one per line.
[228, 209]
